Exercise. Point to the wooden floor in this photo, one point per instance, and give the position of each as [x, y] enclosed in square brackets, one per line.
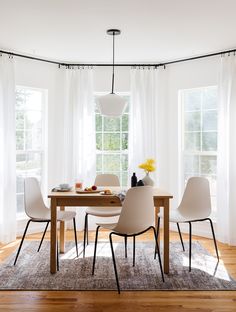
[57, 301]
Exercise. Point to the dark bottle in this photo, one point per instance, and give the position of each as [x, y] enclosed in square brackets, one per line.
[134, 180]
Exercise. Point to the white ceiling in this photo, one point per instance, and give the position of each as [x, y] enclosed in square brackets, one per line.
[152, 30]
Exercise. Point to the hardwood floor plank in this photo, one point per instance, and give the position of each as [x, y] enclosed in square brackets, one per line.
[127, 301]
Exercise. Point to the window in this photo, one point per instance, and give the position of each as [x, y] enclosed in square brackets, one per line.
[199, 133]
[112, 145]
[30, 104]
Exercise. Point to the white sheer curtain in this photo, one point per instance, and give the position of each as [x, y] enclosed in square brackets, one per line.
[226, 175]
[74, 145]
[147, 122]
[7, 151]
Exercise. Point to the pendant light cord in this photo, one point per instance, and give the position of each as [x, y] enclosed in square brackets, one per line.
[113, 67]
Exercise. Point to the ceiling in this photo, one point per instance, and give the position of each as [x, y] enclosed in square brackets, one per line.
[151, 30]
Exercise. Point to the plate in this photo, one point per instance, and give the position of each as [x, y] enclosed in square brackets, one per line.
[102, 193]
[58, 189]
[87, 192]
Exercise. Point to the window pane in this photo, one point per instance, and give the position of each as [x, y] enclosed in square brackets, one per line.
[99, 141]
[111, 163]
[98, 122]
[191, 164]
[192, 100]
[210, 98]
[20, 120]
[19, 184]
[33, 139]
[111, 141]
[192, 141]
[99, 162]
[208, 164]
[124, 162]
[19, 140]
[209, 120]
[20, 203]
[111, 124]
[192, 121]
[125, 141]
[209, 141]
[33, 119]
[125, 119]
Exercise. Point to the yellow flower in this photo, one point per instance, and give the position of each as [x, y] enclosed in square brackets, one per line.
[148, 166]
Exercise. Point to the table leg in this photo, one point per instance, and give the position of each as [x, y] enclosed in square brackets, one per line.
[166, 235]
[62, 233]
[53, 237]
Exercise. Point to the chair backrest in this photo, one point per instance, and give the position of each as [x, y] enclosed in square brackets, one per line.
[137, 212]
[107, 180]
[34, 204]
[196, 201]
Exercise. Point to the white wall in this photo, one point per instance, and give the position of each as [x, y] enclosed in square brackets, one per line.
[179, 76]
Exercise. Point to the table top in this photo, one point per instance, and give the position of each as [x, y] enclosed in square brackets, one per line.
[156, 193]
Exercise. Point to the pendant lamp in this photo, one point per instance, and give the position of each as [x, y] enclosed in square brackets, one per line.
[112, 105]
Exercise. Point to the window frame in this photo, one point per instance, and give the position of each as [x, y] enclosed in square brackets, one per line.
[121, 152]
[200, 153]
[44, 148]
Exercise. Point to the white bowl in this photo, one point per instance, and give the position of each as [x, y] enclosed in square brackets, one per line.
[64, 186]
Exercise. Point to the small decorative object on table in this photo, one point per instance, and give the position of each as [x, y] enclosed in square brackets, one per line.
[134, 180]
[148, 166]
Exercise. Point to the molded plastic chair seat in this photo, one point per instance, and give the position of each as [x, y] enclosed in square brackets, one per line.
[38, 212]
[104, 211]
[137, 217]
[61, 216]
[176, 216]
[104, 180]
[195, 206]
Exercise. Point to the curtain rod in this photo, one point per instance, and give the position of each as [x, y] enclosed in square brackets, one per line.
[129, 65]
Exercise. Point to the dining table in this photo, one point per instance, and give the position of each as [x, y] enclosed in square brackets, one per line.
[80, 199]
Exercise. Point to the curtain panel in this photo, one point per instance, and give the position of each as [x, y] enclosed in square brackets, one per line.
[226, 164]
[74, 148]
[8, 151]
[148, 122]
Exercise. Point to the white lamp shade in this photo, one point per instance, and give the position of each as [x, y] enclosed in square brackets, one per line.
[111, 105]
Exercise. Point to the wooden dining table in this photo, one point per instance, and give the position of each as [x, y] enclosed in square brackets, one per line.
[73, 199]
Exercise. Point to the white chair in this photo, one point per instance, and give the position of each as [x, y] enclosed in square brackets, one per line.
[105, 180]
[137, 217]
[38, 212]
[194, 207]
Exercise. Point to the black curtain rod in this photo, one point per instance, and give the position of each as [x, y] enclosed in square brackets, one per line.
[129, 65]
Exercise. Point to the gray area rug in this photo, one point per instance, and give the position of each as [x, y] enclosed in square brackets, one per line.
[32, 269]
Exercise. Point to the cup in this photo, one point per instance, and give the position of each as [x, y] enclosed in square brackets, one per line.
[78, 185]
[64, 185]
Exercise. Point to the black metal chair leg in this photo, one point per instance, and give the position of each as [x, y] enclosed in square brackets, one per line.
[76, 244]
[180, 235]
[125, 246]
[133, 250]
[85, 233]
[158, 226]
[95, 249]
[57, 255]
[190, 245]
[157, 232]
[43, 236]
[158, 253]
[114, 263]
[214, 238]
[22, 240]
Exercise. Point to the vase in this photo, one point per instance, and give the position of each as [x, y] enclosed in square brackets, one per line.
[147, 180]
